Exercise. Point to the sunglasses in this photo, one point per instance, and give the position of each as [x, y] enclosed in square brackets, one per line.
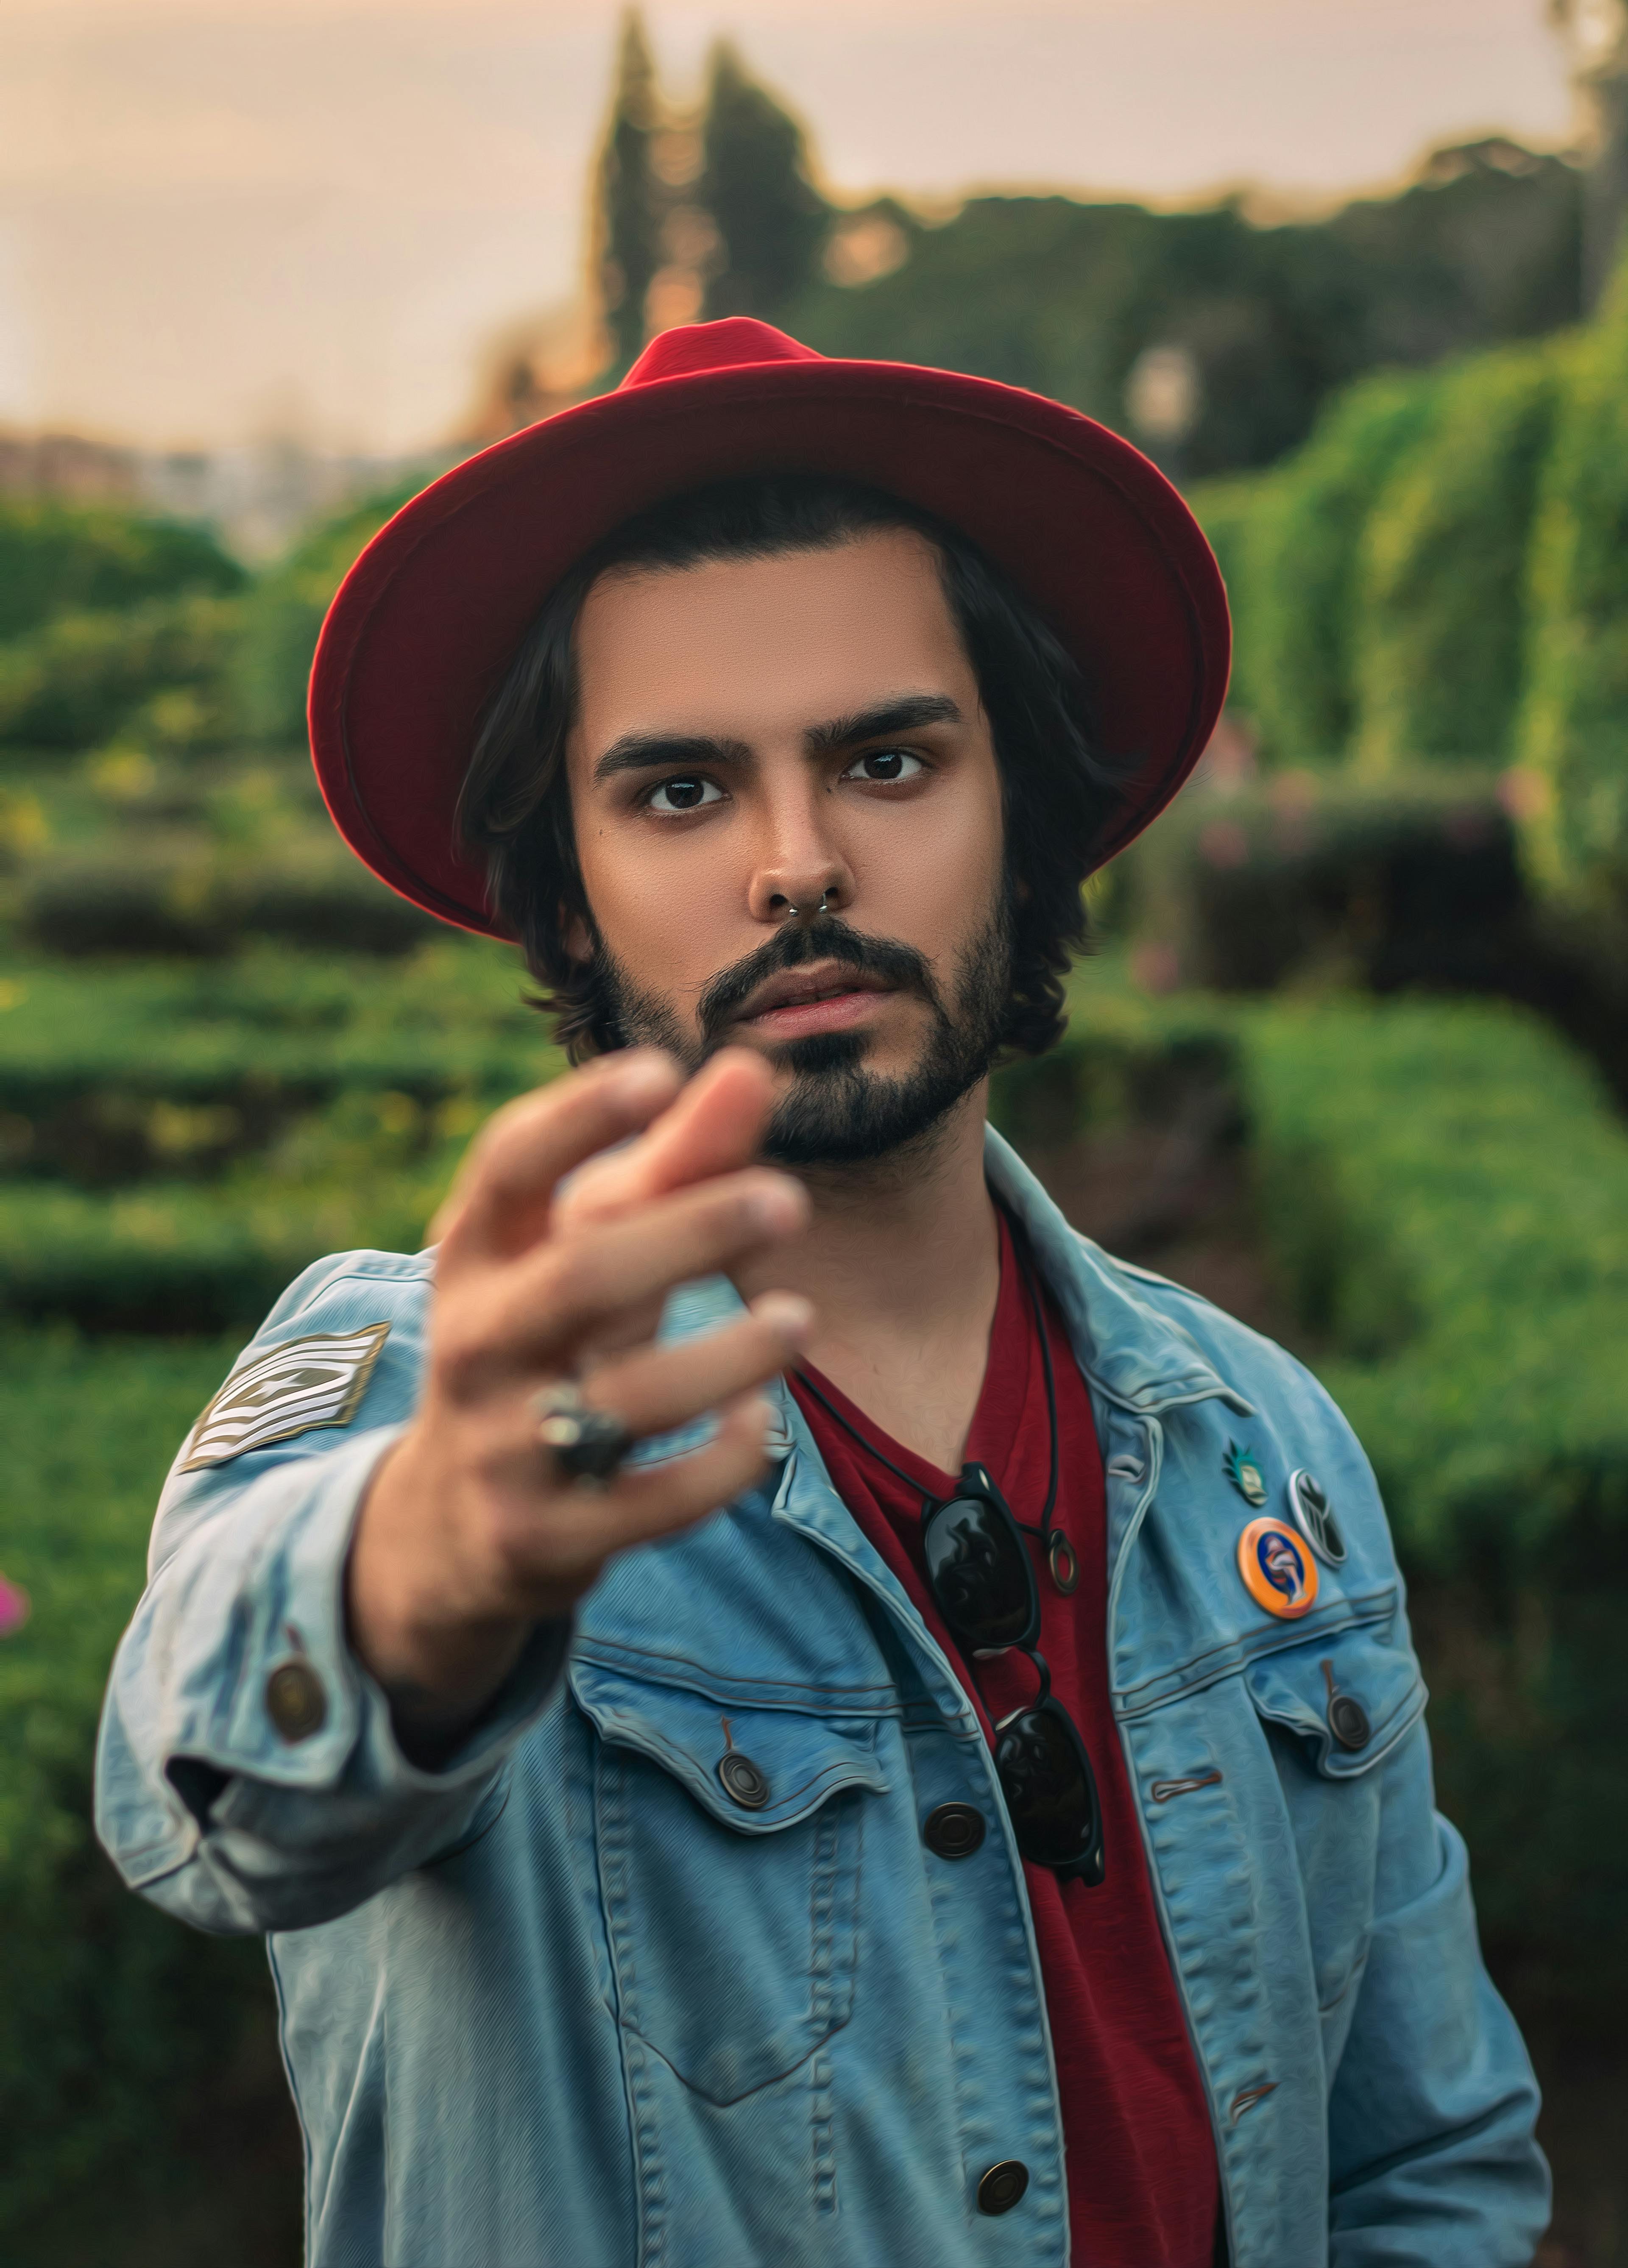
[982, 1583]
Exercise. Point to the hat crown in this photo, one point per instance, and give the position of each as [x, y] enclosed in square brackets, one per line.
[730, 344]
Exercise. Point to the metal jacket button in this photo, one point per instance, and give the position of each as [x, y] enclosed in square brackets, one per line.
[744, 1783]
[1003, 2185]
[1348, 1721]
[295, 1700]
[954, 1831]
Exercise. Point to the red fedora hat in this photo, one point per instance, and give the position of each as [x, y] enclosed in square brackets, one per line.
[427, 620]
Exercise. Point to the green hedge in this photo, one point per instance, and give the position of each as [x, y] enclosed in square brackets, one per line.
[1574, 732]
[304, 1028]
[1294, 572]
[1440, 630]
[59, 558]
[1322, 876]
[285, 612]
[116, 2027]
[76, 680]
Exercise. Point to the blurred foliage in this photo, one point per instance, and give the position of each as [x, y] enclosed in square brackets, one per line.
[284, 614]
[755, 186]
[113, 2023]
[1295, 543]
[1319, 876]
[1439, 606]
[1440, 575]
[1066, 297]
[79, 677]
[61, 558]
[631, 198]
[1574, 729]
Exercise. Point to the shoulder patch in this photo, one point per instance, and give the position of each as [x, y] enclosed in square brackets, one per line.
[291, 1389]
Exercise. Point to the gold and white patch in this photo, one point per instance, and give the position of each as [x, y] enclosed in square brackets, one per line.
[290, 1389]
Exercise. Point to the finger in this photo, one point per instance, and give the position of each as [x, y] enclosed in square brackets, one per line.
[583, 1528]
[500, 1202]
[660, 1388]
[716, 1125]
[563, 1292]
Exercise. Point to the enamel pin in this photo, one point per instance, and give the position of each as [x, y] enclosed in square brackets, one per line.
[288, 1389]
[1279, 1570]
[1314, 1516]
[1243, 1470]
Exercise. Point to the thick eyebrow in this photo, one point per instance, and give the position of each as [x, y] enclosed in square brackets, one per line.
[905, 714]
[651, 752]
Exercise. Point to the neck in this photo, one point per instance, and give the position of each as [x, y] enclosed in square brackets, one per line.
[902, 1261]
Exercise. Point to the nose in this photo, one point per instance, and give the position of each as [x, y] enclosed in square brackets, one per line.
[801, 874]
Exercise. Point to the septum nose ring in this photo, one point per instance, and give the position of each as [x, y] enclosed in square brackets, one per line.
[793, 911]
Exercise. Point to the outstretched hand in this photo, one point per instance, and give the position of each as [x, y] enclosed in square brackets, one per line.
[555, 1260]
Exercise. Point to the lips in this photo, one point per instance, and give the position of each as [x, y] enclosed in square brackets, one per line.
[800, 988]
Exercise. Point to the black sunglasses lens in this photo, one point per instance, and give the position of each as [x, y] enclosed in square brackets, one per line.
[1046, 1778]
[980, 1573]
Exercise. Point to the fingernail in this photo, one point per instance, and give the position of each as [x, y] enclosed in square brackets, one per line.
[788, 1316]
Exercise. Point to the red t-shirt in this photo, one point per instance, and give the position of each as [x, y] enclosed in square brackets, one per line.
[1143, 2190]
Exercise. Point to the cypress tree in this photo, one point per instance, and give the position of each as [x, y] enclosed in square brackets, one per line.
[770, 218]
[631, 203]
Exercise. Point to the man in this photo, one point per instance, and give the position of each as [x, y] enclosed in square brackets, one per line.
[759, 1705]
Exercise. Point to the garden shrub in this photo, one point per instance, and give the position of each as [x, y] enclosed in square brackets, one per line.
[199, 902]
[1412, 881]
[76, 680]
[1575, 727]
[61, 558]
[118, 2029]
[284, 612]
[1297, 577]
[1438, 638]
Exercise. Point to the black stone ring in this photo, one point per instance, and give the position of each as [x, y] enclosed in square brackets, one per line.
[588, 1446]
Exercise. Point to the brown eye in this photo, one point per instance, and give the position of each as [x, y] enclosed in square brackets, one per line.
[883, 765]
[686, 792]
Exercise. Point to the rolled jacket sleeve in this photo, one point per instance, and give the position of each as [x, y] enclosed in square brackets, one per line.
[248, 1778]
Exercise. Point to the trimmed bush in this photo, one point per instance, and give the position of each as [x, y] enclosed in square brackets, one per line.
[202, 905]
[1439, 636]
[1575, 730]
[74, 682]
[132, 2052]
[59, 558]
[1295, 579]
[1410, 882]
[285, 612]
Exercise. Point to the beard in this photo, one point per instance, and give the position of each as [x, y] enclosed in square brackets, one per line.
[837, 1111]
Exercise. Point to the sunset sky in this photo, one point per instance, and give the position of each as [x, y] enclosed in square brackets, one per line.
[223, 218]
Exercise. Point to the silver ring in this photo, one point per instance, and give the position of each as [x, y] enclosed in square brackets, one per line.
[793, 911]
[588, 1446]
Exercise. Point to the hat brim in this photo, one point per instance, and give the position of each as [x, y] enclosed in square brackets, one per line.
[430, 615]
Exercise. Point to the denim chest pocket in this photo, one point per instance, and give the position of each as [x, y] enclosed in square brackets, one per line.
[1348, 1695]
[1344, 1699]
[729, 1843]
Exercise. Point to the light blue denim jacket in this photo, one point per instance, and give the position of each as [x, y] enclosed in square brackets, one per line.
[564, 2001]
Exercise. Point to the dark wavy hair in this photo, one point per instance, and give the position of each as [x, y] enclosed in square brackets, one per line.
[1058, 788]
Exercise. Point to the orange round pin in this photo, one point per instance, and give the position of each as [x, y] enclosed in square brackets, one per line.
[1279, 1571]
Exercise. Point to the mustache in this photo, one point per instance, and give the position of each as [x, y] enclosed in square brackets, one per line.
[828, 937]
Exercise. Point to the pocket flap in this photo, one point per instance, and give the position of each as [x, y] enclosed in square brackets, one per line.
[1349, 1696]
[785, 1762]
